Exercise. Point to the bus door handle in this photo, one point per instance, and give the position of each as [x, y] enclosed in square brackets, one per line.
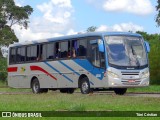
[81, 70]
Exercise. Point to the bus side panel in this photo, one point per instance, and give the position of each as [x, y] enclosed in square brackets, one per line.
[73, 69]
[46, 76]
[95, 75]
[18, 76]
[62, 74]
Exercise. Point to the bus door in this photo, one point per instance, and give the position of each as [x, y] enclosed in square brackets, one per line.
[98, 62]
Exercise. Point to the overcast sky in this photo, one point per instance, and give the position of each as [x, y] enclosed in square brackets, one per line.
[64, 17]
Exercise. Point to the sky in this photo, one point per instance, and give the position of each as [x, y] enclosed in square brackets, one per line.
[52, 18]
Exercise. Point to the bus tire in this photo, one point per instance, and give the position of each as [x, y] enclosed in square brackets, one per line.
[36, 86]
[120, 91]
[85, 86]
[70, 90]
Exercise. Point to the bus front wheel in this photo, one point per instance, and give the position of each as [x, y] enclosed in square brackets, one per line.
[120, 91]
[85, 86]
[36, 86]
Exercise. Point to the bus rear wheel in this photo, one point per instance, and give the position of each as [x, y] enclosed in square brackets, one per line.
[85, 86]
[36, 86]
[120, 91]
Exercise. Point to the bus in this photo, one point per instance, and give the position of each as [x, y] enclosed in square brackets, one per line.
[90, 61]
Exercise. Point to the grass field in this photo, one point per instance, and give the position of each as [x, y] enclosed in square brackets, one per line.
[56, 101]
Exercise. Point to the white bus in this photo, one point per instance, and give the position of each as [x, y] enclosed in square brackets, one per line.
[91, 61]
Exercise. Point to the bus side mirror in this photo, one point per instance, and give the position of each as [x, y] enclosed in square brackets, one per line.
[100, 45]
[147, 46]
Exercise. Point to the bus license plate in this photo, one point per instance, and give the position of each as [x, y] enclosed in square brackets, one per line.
[131, 81]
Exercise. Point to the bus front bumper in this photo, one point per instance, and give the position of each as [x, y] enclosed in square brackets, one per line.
[127, 83]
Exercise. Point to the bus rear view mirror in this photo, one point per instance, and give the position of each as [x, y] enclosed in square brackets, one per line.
[100, 45]
[147, 46]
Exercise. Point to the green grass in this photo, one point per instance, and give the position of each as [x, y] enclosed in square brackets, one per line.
[149, 89]
[55, 101]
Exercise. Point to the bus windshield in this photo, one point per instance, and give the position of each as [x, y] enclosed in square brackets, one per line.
[126, 51]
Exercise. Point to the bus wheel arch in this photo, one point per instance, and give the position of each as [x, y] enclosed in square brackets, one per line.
[32, 81]
[83, 84]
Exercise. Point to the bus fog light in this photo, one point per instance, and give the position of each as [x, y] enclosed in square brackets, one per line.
[145, 75]
[113, 75]
[146, 83]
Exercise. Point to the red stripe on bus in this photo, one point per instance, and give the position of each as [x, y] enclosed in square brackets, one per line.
[12, 69]
[37, 68]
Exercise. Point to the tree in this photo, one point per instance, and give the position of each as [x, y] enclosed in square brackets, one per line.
[10, 14]
[144, 34]
[92, 29]
[158, 15]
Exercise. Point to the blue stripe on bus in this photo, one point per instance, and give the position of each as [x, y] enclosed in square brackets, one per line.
[58, 71]
[73, 70]
[69, 68]
[87, 65]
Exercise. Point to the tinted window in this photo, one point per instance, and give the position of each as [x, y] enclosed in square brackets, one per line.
[28, 58]
[18, 58]
[32, 53]
[50, 50]
[82, 47]
[44, 51]
[20, 54]
[12, 56]
[74, 49]
[64, 49]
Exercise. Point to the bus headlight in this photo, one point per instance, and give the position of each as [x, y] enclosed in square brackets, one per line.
[113, 75]
[145, 75]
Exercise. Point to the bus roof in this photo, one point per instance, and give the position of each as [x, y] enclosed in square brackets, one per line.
[89, 34]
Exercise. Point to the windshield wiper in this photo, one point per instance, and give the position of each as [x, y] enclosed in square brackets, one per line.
[135, 56]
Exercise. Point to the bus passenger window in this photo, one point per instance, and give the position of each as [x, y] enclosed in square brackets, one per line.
[43, 49]
[50, 51]
[28, 57]
[18, 58]
[57, 50]
[33, 53]
[23, 51]
[73, 53]
[82, 46]
[12, 56]
[64, 49]
[74, 49]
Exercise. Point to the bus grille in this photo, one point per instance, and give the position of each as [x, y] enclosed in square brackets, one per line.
[130, 78]
[129, 73]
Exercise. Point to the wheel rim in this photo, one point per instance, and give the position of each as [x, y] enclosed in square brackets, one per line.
[35, 87]
[85, 87]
